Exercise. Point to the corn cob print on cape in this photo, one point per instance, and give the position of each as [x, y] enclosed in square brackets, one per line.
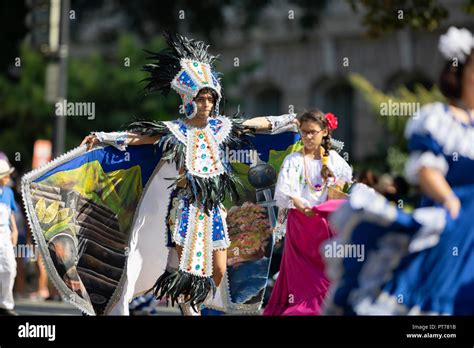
[100, 220]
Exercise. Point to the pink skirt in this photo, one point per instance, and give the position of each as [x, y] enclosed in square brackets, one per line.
[302, 285]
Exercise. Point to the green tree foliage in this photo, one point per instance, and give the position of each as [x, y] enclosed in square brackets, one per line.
[23, 112]
[386, 16]
[378, 103]
[111, 83]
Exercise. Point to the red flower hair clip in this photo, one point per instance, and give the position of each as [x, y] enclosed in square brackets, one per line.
[332, 120]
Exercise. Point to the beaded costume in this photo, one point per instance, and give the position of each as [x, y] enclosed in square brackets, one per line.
[196, 215]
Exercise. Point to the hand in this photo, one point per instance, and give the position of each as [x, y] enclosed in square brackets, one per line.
[90, 140]
[297, 122]
[309, 212]
[302, 207]
[298, 204]
[453, 204]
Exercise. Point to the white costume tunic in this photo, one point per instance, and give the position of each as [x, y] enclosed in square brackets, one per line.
[292, 183]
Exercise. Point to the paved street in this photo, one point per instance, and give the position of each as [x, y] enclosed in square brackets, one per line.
[29, 307]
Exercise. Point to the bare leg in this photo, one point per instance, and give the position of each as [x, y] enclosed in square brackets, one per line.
[179, 250]
[219, 265]
[42, 291]
[42, 279]
[20, 278]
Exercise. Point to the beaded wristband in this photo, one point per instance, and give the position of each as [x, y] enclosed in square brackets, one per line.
[116, 139]
[282, 123]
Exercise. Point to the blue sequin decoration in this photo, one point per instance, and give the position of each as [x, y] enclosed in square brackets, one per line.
[185, 79]
[182, 128]
[215, 125]
[189, 108]
[217, 226]
[183, 223]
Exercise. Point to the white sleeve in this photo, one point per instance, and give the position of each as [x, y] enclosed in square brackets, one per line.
[288, 182]
[116, 139]
[426, 159]
[341, 169]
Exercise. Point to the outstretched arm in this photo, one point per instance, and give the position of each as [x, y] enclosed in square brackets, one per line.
[138, 139]
[258, 123]
[272, 124]
[119, 139]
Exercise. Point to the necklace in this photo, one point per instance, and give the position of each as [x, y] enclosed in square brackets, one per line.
[312, 190]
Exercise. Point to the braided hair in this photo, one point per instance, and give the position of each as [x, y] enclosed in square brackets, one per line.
[318, 117]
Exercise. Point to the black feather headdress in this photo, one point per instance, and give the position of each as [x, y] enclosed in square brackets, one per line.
[167, 62]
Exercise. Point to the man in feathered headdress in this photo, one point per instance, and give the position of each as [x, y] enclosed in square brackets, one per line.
[192, 146]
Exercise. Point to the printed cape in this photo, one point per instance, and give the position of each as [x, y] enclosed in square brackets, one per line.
[98, 219]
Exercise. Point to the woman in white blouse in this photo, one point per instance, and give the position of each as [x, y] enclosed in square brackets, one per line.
[302, 188]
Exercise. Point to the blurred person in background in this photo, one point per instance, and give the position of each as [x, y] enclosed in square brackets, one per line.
[367, 177]
[42, 291]
[8, 239]
[420, 262]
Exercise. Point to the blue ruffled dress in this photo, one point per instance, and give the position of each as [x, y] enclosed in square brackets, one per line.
[413, 263]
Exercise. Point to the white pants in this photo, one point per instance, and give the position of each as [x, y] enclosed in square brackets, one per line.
[7, 280]
[7, 270]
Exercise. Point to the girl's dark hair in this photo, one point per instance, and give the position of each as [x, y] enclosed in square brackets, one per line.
[213, 93]
[318, 117]
[450, 80]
